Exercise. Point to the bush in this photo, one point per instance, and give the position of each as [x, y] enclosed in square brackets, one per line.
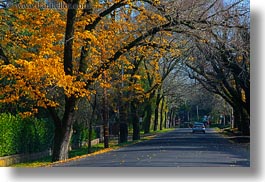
[24, 135]
[80, 135]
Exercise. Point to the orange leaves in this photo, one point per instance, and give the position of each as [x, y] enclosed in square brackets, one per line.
[34, 38]
[239, 58]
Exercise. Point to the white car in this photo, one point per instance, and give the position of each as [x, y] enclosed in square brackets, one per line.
[198, 127]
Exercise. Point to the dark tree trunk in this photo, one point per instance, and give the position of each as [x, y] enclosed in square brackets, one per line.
[156, 118]
[165, 121]
[148, 113]
[135, 121]
[89, 137]
[147, 119]
[123, 125]
[63, 131]
[245, 123]
[241, 120]
[61, 143]
[90, 129]
[105, 114]
[237, 117]
[123, 132]
[158, 99]
[170, 118]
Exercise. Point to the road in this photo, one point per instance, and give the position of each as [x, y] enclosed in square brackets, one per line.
[179, 148]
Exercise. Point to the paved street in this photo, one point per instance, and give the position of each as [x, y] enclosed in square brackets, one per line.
[179, 148]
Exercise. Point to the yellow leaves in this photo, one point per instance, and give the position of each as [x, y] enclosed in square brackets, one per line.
[105, 85]
[21, 17]
[26, 114]
[138, 77]
[5, 69]
[86, 20]
[239, 58]
[87, 36]
[9, 99]
[1, 62]
[190, 58]
[203, 40]
[176, 52]
[37, 39]
[243, 95]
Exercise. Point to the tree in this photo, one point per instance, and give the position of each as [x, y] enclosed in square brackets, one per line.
[50, 61]
[220, 62]
[52, 57]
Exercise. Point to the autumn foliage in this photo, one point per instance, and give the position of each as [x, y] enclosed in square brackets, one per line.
[53, 53]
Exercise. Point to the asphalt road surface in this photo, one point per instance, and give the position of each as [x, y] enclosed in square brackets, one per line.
[179, 148]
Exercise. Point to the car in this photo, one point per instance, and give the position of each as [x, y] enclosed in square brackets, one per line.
[198, 127]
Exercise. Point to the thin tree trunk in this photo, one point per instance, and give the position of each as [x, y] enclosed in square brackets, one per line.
[90, 125]
[123, 125]
[89, 137]
[165, 122]
[158, 99]
[161, 113]
[170, 118]
[135, 121]
[105, 116]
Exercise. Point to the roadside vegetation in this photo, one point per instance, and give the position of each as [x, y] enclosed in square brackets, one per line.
[96, 149]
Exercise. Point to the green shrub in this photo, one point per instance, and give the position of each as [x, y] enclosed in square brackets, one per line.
[24, 135]
[80, 135]
[9, 129]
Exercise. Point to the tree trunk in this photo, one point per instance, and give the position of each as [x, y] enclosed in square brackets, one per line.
[161, 113]
[170, 118]
[89, 137]
[158, 99]
[147, 119]
[63, 128]
[245, 120]
[156, 118]
[237, 117]
[63, 131]
[123, 132]
[241, 120]
[61, 143]
[165, 120]
[105, 116]
[135, 121]
[123, 125]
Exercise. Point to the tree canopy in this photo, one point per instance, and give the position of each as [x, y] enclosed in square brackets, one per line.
[54, 53]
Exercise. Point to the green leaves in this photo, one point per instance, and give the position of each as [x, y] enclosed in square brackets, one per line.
[27, 135]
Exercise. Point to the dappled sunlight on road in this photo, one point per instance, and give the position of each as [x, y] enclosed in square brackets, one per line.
[179, 148]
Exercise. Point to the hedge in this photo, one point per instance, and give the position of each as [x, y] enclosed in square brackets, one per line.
[80, 135]
[27, 135]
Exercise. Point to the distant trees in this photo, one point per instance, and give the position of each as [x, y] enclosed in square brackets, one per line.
[220, 61]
